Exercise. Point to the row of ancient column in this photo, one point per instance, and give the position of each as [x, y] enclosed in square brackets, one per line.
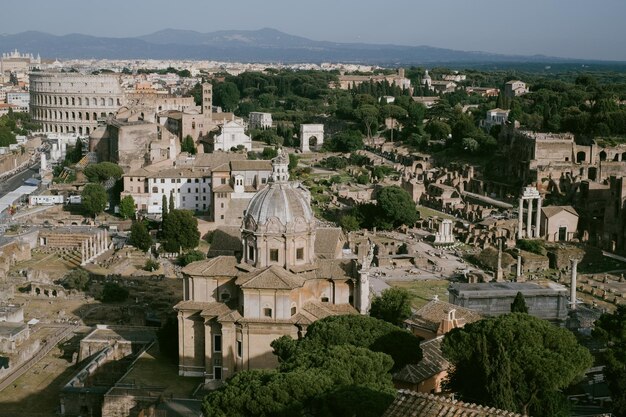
[94, 246]
[529, 219]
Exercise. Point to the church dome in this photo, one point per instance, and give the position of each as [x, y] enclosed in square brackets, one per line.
[282, 201]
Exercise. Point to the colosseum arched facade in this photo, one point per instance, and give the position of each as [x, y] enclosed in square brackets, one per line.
[73, 103]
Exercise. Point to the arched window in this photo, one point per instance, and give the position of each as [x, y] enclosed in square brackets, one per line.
[73, 101]
[86, 101]
[80, 101]
[87, 116]
[110, 102]
[67, 101]
[103, 102]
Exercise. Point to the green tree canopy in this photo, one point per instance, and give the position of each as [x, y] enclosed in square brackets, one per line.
[611, 328]
[113, 293]
[437, 129]
[127, 207]
[392, 306]
[368, 115]
[180, 231]
[515, 362]
[191, 256]
[94, 199]
[102, 171]
[188, 145]
[77, 279]
[334, 371]
[519, 304]
[346, 141]
[140, 237]
[226, 95]
[356, 330]
[396, 207]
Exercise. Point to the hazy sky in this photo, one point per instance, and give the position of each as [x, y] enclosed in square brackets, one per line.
[594, 29]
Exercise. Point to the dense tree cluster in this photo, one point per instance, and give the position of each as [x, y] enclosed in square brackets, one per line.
[180, 231]
[611, 328]
[515, 362]
[103, 171]
[140, 236]
[94, 199]
[341, 367]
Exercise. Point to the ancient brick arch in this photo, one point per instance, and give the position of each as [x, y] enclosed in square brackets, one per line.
[311, 136]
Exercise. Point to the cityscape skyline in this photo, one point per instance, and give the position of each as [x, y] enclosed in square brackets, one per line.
[537, 28]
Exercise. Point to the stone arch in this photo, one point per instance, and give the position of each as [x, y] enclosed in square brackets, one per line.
[80, 130]
[103, 102]
[593, 173]
[86, 101]
[616, 157]
[67, 101]
[80, 101]
[73, 101]
[623, 156]
[602, 156]
[37, 291]
[87, 116]
[311, 136]
[581, 157]
[87, 130]
[111, 102]
[54, 293]
[95, 102]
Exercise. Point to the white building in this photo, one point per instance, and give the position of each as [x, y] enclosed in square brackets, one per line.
[259, 120]
[231, 136]
[495, 117]
[515, 88]
[19, 99]
[190, 189]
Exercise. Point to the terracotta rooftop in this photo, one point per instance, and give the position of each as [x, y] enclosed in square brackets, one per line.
[326, 241]
[219, 266]
[550, 211]
[430, 316]
[417, 404]
[431, 364]
[273, 277]
[251, 165]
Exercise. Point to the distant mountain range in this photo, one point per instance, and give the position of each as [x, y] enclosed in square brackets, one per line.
[264, 45]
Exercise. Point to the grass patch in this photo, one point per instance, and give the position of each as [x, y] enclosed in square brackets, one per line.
[426, 212]
[423, 291]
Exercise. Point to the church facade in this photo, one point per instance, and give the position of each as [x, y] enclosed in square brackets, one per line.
[291, 274]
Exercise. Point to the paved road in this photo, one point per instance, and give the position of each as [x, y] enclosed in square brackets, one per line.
[43, 351]
[14, 182]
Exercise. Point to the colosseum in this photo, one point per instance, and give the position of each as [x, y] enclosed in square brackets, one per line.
[72, 102]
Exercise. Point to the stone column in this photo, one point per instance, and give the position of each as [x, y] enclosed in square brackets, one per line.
[499, 272]
[538, 219]
[529, 220]
[518, 272]
[364, 292]
[82, 252]
[572, 290]
[520, 221]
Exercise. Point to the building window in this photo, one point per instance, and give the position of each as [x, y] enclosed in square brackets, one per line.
[267, 312]
[274, 255]
[293, 310]
[162, 181]
[300, 254]
[324, 299]
[217, 372]
[251, 253]
[225, 296]
[223, 181]
[239, 348]
[217, 343]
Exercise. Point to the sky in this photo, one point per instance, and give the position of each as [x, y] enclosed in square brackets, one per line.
[590, 29]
